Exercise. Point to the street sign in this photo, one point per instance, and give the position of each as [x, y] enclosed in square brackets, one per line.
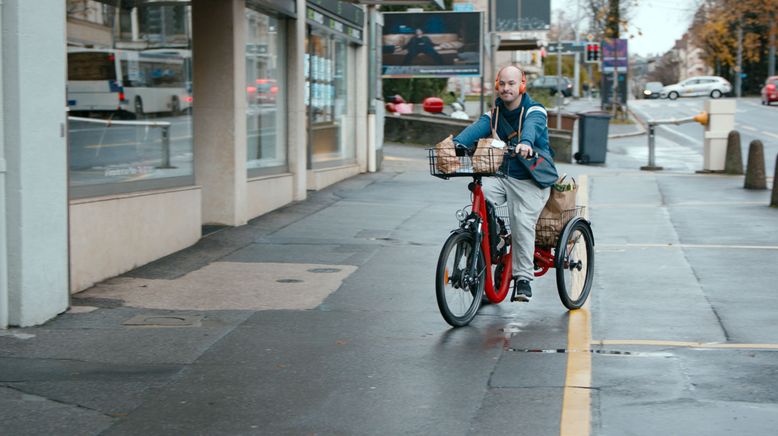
[567, 47]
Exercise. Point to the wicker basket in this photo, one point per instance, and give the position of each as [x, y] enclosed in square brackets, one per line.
[548, 230]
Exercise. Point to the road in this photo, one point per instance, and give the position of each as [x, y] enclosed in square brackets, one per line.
[752, 120]
[679, 336]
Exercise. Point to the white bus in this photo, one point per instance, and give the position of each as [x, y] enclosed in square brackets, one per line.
[136, 82]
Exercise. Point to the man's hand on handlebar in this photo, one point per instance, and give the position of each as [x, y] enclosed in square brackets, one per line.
[525, 151]
[522, 150]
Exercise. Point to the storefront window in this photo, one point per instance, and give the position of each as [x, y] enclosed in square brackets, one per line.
[130, 101]
[265, 93]
[329, 103]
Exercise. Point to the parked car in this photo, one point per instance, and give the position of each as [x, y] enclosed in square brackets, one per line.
[713, 86]
[770, 90]
[552, 85]
[652, 89]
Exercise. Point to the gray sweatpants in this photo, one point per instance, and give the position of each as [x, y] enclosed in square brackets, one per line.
[525, 201]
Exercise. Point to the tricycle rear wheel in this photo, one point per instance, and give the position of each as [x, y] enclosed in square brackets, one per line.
[574, 263]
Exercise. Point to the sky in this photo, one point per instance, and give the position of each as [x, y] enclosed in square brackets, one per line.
[660, 21]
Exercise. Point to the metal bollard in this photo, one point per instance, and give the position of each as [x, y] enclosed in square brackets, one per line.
[755, 172]
[651, 153]
[774, 198]
[165, 132]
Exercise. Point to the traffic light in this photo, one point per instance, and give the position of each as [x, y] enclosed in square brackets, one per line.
[593, 52]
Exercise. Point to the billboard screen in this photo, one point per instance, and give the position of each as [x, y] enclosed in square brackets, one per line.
[516, 15]
[431, 44]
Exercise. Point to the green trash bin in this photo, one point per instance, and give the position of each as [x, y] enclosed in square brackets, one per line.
[592, 137]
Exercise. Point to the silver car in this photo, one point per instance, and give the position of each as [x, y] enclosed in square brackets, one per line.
[713, 86]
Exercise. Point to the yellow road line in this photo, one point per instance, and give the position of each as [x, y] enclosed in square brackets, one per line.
[576, 397]
[669, 245]
[682, 344]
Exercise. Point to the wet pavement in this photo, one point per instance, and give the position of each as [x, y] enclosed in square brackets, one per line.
[679, 333]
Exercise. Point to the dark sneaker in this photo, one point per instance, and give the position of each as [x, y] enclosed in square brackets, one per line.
[522, 291]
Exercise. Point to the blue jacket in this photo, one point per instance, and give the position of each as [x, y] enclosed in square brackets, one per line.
[534, 132]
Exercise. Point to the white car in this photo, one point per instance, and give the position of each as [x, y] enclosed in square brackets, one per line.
[713, 86]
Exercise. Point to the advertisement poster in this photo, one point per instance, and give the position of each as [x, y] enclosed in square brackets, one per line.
[614, 52]
[431, 44]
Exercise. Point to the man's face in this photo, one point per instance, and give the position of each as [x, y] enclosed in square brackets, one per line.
[419, 32]
[508, 84]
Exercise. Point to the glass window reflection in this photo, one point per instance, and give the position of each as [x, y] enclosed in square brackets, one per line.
[265, 93]
[327, 98]
[129, 95]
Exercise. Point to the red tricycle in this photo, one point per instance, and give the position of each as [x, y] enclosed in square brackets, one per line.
[475, 263]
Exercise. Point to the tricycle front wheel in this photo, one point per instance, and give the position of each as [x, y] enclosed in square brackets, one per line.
[458, 292]
[574, 263]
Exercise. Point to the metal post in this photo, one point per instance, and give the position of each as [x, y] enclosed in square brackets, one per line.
[615, 90]
[165, 131]
[559, 82]
[739, 69]
[134, 26]
[3, 246]
[651, 155]
[771, 51]
[589, 79]
[577, 73]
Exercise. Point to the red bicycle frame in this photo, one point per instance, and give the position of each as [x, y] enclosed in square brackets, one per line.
[479, 208]
[544, 258]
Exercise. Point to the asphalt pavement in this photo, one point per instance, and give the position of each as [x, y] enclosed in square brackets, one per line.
[320, 318]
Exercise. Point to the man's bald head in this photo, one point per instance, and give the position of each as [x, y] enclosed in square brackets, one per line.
[509, 81]
[510, 71]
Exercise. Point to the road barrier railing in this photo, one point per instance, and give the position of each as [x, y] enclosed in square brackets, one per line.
[164, 127]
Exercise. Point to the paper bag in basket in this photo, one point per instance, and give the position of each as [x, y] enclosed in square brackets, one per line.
[446, 160]
[559, 210]
[489, 152]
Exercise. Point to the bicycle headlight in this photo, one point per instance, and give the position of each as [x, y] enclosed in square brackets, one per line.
[461, 215]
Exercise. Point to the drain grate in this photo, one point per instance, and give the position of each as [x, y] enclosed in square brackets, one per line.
[289, 281]
[164, 321]
[607, 352]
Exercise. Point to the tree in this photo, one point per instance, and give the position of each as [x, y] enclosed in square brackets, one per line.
[667, 69]
[714, 27]
[615, 14]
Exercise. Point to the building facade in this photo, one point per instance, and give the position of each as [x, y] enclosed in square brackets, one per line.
[130, 128]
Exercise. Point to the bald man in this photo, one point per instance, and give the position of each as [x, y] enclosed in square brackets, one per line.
[522, 125]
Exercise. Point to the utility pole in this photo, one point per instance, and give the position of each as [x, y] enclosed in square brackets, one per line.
[612, 30]
[739, 69]
[771, 51]
[559, 81]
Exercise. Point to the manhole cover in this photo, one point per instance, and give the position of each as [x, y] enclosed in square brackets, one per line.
[324, 270]
[289, 281]
[165, 320]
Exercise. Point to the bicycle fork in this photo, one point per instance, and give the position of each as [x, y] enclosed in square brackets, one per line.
[473, 275]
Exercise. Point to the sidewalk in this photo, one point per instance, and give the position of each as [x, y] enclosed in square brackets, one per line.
[320, 318]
